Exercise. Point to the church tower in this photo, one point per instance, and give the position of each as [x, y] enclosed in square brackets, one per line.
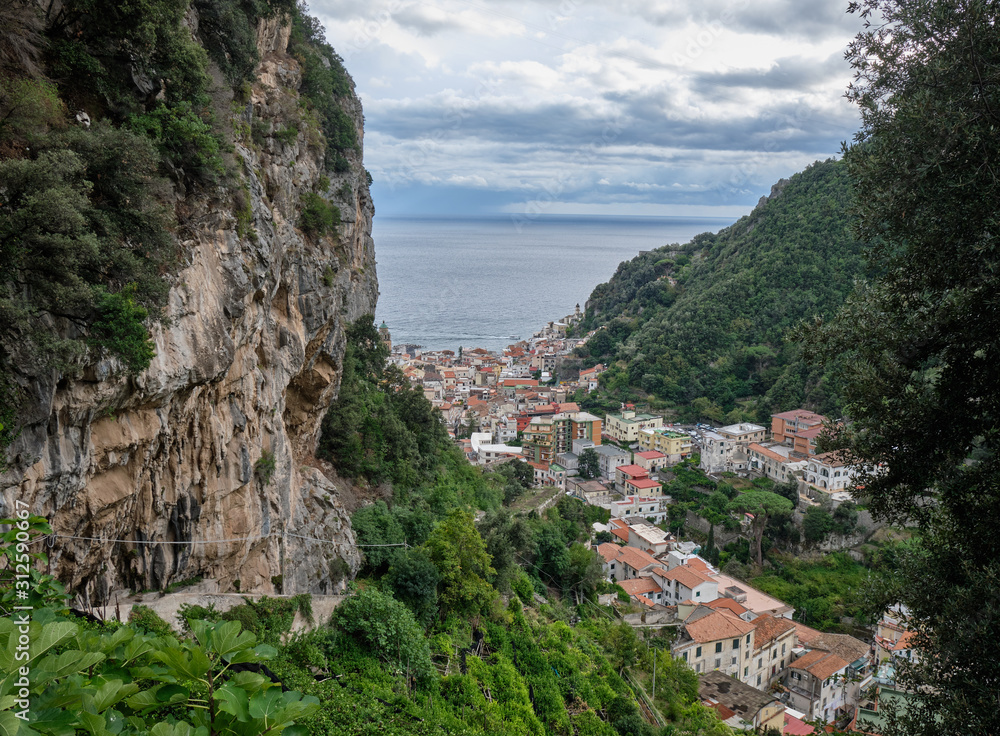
[383, 332]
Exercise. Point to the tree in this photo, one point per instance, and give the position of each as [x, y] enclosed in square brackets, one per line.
[414, 579]
[921, 359]
[817, 524]
[590, 464]
[460, 555]
[763, 505]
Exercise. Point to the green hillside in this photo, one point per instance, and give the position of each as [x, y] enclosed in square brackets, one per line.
[704, 327]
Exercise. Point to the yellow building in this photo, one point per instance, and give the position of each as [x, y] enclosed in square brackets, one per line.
[625, 427]
[675, 445]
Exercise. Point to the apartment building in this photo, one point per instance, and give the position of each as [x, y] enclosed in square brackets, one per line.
[625, 427]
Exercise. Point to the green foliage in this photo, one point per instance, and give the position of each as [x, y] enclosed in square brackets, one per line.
[146, 619]
[414, 578]
[719, 334]
[264, 467]
[918, 343]
[228, 29]
[380, 428]
[459, 553]
[120, 328]
[83, 241]
[27, 108]
[318, 217]
[590, 464]
[821, 591]
[189, 146]
[763, 505]
[378, 621]
[324, 82]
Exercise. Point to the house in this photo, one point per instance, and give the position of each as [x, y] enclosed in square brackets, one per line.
[674, 445]
[547, 436]
[643, 590]
[649, 538]
[625, 427]
[609, 458]
[684, 583]
[804, 442]
[775, 462]
[609, 552]
[740, 706]
[642, 486]
[817, 685]
[588, 377]
[826, 682]
[632, 561]
[787, 424]
[829, 472]
[650, 460]
[774, 642]
[743, 433]
[628, 472]
[715, 640]
[647, 507]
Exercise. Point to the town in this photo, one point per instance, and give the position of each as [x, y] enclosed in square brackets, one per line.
[758, 667]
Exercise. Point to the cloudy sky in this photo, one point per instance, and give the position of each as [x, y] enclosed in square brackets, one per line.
[612, 107]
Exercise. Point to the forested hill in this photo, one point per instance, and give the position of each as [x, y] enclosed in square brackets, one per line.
[705, 326]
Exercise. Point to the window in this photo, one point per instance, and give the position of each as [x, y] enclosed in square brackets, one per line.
[684, 656]
[718, 662]
[758, 680]
[748, 638]
[718, 646]
[698, 594]
[760, 662]
[735, 660]
[697, 667]
[736, 643]
[746, 671]
[782, 650]
[697, 652]
[782, 664]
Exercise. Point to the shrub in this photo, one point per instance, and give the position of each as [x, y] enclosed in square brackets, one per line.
[120, 329]
[145, 618]
[318, 216]
[265, 466]
[187, 142]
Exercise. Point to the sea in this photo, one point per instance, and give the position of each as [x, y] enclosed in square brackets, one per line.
[486, 282]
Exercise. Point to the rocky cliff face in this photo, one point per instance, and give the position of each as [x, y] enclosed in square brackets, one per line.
[208, 454]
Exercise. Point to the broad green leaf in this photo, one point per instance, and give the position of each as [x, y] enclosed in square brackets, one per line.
[93, 723]
[266, 704]
[225, 638]
[167, 692]
[111, 692]
[250, 681]
[234, 700]
[296, 730]
[265, 651]
[10, 725]
[64, 664]
[54, 721]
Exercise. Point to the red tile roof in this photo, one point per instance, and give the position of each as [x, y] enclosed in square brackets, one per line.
[632, 470]
[642, 484]
[686, 576]
[770, 628]
[718, 625]
[796, 727]
[609, 551]
[636, 558]
[727, 603]
[819, 664]
[636, 586]
[650, 455]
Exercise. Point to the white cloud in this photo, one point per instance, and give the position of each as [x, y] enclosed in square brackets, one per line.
[663, 103]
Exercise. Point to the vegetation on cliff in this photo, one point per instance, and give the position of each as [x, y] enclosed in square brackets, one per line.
[113, 116]
[704, 327]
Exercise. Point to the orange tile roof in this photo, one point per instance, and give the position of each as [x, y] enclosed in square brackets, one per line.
[727, 603]
[905, 641]
[650, 455]
[609, 551]
[800, 414]
[632, 470]
[636, 586]
[718, 625]
[622, 534]
[643, 483]
[805, 633]
[696, 563]
[636, 558]
[686, 576]
[644, 600]
[819, 664]
[770, 628]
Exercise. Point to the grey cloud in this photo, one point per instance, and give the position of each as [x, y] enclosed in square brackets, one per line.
[790, 73]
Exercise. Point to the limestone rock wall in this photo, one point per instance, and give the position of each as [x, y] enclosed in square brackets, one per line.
[208, 454]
